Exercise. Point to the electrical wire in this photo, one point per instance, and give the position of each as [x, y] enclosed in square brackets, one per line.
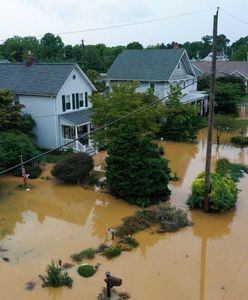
[127, 24]
[99, 129]
[233, 16]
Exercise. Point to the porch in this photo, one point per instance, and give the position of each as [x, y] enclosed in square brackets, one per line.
[73, 128]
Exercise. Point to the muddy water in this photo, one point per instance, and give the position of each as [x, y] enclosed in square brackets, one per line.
[206, 261]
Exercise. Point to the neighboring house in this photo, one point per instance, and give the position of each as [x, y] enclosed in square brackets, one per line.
[223, 68]
[220, 56]
[157, 69]
[56, 96]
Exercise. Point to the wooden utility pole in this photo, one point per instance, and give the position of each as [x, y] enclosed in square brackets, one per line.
[210, 116]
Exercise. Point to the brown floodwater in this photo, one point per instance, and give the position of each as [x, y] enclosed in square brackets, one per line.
[206, 261]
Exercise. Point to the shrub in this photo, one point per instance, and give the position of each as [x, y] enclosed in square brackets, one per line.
[87, 253]
[168, 219]
[230, 170]
[112, 252]
[33, 171]
[240, 140]
[74, 168]
[127, 244]
[86, 270]
[223, 195]
[136, 172]
[55, 277]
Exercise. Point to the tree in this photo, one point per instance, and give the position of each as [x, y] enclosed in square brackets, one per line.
[121, 101]
[12, 146]
[11, 118]
[51, 48]
[181, 122]
[136, 172]
[74, 168]
[222, 124]
[134, 45]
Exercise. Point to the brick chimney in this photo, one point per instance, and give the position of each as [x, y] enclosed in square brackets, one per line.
[30, 59]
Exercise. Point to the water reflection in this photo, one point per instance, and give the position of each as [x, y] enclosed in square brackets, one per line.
[209, 227]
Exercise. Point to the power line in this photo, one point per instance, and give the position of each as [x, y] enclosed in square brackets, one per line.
[233, 16]
[99, 129]
[127, 24]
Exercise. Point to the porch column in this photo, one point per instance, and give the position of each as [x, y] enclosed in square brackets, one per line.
[76, 135]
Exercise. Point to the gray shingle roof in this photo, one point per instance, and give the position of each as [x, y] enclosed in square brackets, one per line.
[77, 117]
[145, 65]
[37, 79]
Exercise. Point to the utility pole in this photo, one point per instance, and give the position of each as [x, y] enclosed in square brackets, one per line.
[207, 187]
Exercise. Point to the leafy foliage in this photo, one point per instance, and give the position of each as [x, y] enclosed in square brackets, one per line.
[230, 170]
[240, 140]
[121, 101]
[33, 171]
[112, 252]
[223, 124]
[86, 270]
[136, 172]
[87, 253]
[12, 146]
[223, 195]
[55, 277]
[74, 168]
[181, 122]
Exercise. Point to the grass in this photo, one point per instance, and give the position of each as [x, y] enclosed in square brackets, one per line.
[230, 170]
[168, 219]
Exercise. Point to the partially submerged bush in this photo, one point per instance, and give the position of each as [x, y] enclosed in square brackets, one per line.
[127, 244]
[169, 219]
[223, 195]
[87, 253]
[240, 140]
[86, 270]
[56, 277]
[230, 170]
[74, 168]
[33, 171]
[112, 252]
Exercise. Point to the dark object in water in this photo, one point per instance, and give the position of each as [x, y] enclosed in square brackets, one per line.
[5, 259]
[3, 249]
[42, 278]
[30, 285]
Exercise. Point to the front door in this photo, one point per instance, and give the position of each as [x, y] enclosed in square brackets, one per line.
[81, 131]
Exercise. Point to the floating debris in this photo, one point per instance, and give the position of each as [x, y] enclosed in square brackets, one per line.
[6, 259]
[3, 249]
[30, 285]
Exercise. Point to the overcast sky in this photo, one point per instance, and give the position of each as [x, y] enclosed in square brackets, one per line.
[36, 17]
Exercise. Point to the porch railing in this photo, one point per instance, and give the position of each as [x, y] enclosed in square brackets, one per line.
[75, 145]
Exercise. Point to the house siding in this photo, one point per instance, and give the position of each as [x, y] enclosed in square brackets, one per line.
[73, 86]
[43, 112]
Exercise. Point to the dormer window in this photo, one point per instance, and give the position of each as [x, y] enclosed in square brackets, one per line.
[179, 66]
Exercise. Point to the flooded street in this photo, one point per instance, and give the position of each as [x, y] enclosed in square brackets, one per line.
[208, 261]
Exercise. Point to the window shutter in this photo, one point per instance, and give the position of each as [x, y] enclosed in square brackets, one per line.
[63, 102]
[77, 100]
[86, 99]
[73, 101]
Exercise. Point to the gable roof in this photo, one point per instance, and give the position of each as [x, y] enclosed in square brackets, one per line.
[37, 79]
[224, 67]
[145, 65]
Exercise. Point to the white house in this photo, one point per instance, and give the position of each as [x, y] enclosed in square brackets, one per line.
[158, 69]
[56, 96]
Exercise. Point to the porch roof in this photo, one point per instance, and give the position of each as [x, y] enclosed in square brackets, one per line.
[193, 97]
[78, 117]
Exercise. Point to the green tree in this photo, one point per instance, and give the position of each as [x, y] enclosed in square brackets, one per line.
[223, 124]
[121, 101]
[12, 146]
[181, 122]
[51, 48]
[134, 45]
[11, 118]
[136, 172]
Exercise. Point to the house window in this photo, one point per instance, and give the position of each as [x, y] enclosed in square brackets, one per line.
[67, 102]
[152, 86]
[81, 100]
[179, 66]
[86, 99]
[17, 100]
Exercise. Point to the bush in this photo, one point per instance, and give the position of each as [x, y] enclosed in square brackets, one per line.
[12, 145]
[74, 168]
[230, 170]
[136, 172]
[33, 171]
[112, 252]
[86, 270]
[223, 194]
[55, 277]
[240, 140]
[87, 253]
[168, 219]
[127, 244]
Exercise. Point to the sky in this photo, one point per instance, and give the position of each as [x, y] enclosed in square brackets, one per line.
[181, 20]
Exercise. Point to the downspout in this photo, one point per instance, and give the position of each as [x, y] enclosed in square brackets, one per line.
[55, 120]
